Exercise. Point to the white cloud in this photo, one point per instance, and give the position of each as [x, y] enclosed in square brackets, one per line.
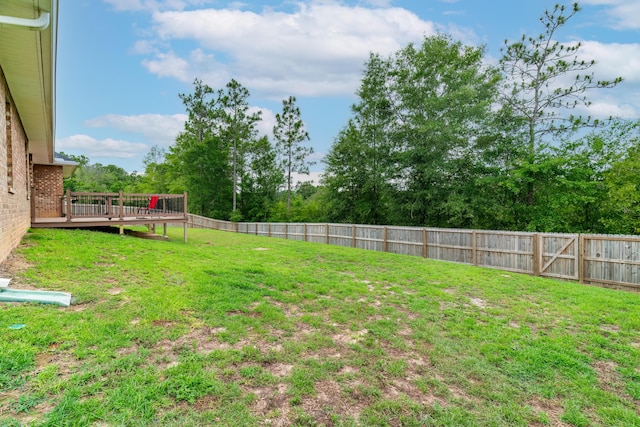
[169, 65]
[317, 50]
[159, 129]
[625, 13]
[607, 107]
[92, 147]
[265, 126]
[613, 59]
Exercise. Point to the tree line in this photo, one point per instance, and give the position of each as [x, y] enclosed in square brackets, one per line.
[436, 137]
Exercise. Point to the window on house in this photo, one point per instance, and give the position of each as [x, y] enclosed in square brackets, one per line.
[9, 147]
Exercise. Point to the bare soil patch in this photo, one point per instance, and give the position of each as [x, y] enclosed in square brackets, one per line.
[12, 267]
[552, 408]
[478, 302]
[328, 400]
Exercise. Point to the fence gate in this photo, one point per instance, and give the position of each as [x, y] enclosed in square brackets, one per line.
[558, 256]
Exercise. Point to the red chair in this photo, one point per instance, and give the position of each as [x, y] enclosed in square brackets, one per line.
[151, 206]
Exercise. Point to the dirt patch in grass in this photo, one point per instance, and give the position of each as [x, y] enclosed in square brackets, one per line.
[552, 408]
[205, 403]
[201, 339]
[349, 337]
[329, 400]
[271, 405]
[396, 388]
[279, 369]
[289, 310]
[608, 377]
[12, 267]
[478, 302]
[609, 328]
[163, 323]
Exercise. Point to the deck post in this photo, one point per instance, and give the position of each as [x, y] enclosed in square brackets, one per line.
[185, 231]
[121, 205]
[185, 211]
[122, 230]
[164, 230]
[68, 205]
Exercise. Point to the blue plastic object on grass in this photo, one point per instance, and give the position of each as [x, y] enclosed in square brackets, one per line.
[42, 297]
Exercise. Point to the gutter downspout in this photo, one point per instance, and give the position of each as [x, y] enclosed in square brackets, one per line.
[38, 24]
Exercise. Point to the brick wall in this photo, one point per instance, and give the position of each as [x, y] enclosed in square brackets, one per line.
[15, 207]
[47, 191]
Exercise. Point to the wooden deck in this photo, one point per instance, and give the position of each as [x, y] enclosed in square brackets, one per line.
[80, 209]
[101, 221]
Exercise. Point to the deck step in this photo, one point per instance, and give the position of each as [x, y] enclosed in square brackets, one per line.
[4, 283]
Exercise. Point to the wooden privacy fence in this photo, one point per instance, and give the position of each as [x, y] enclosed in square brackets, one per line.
[589, 258]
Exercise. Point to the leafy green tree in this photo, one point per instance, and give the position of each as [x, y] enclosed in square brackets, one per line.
[261, 182]
[345, 176]
[442, 95]
[621, 205]
[199, 160]
[157, 176]
[101, 178]
[238, 128]
[289, 133]
[72, 182]
[359, 165]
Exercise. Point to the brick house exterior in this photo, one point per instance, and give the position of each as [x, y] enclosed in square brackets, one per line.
[48, 190]
[15, 207]
[30, 177]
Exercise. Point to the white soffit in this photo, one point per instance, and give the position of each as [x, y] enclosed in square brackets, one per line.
[27, 58]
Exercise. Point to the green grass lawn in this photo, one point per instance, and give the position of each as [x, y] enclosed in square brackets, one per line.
[242, 330]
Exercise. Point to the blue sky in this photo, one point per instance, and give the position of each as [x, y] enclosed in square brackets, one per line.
[122, 63]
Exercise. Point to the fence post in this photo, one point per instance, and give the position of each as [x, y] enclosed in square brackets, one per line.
[286, 232]
[268, 229]
[474, 248]
[580, 256]
[327, 233]
[536, 254]
[235, 227]
[384, 239]
[305, 231]
[424, 243]
[353, 236]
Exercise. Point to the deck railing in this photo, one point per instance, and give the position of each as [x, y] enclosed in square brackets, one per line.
[120, 205]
